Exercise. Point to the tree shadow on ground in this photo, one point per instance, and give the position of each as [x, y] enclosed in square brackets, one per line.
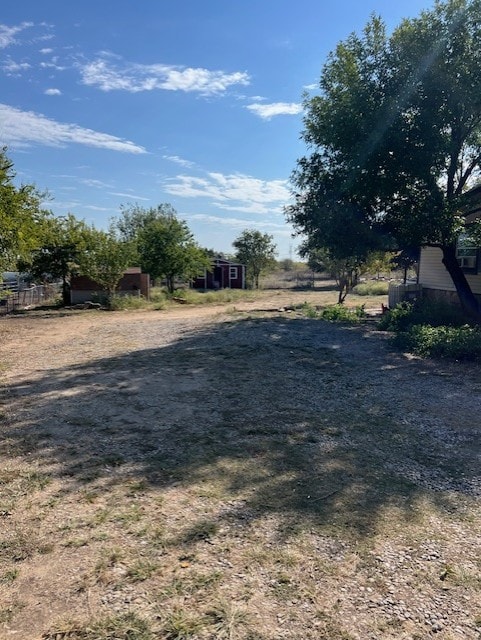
[311, 423]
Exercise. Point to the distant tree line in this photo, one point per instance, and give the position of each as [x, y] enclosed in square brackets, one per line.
[35, 241]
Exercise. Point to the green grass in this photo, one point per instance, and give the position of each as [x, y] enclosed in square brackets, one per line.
[192, 296]
[372, 288]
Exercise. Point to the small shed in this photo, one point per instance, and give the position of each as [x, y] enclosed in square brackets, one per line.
[223, 274]
[133, 282]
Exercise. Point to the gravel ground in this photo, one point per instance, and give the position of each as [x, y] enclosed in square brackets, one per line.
[331, 484]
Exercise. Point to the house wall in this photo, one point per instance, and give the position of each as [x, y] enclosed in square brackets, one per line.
[83, 289]
[435, 279]
[207, 281]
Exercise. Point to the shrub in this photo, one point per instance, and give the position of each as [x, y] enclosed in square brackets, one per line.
[459, 343]
[371, 289]
[425, 312]
[334, 313]
[340, 313]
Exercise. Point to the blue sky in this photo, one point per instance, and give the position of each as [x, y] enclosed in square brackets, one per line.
[193, 103]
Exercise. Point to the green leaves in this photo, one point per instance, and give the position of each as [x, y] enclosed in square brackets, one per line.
[20, 216]
[164, 244]
[257, 251]
[395, 137]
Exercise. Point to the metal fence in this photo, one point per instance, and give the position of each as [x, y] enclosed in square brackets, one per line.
[14, 298]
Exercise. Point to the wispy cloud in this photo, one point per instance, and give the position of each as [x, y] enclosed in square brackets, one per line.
[268, 111]
[235, 192]
[52, 92]
[109, 74]
[242, 223]
[130, 196]
[311, 87]
[7, 34]
[46, 50]
[24, 128]
[98, 184]
[181, 161]
[12, 68]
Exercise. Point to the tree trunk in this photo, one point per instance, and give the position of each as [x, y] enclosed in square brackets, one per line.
[467, 299]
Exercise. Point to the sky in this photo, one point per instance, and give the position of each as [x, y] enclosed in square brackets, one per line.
[194, 103]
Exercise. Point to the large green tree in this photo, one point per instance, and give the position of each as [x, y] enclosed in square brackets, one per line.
[21, 216]
[106, 259]
[62, 243]
[395, 136]
[166, 247]
[257, 251]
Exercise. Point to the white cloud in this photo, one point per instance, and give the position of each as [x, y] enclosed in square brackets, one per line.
[236, 222]
[12, 68]
[268, 111]
[178, 160]
[128, 195]
[93, 207]
[52, 92]
[235, 192]
[53, 64]
[23, 128]
[98, 184]
[46, 51]
[311, 87]
[102, 73]
[7, 34]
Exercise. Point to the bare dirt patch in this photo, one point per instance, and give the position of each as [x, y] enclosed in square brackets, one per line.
[233, 473]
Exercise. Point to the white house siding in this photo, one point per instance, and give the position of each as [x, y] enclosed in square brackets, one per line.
[433, 274]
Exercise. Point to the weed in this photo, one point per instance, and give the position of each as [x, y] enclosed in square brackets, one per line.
[180, 625]
[128, 626]
[226, 619]
[8, 613]
[127, 302]
[334, 313]
[109, 559]
[141, 570]
[9, 576]
[340, 313]
[203, 530]
[191, 583]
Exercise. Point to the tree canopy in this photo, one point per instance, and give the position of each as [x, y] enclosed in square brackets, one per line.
[395, 138]
[257, 251]
[21, 215]
[62, 243]
[164, 244]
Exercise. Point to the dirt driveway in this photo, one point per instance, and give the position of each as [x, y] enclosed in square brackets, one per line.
[234, 473]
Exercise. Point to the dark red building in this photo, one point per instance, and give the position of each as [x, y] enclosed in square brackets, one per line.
[133, 282]
[223, 274]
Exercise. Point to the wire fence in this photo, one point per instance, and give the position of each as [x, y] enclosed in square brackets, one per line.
[15, 298]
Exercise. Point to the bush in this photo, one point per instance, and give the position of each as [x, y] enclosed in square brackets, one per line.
[371, 289]
[459, 343]
[425, 312]
[334, 313]
[340, 313]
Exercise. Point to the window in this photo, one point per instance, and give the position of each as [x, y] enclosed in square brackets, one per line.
[233, 273]
[467, 254]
